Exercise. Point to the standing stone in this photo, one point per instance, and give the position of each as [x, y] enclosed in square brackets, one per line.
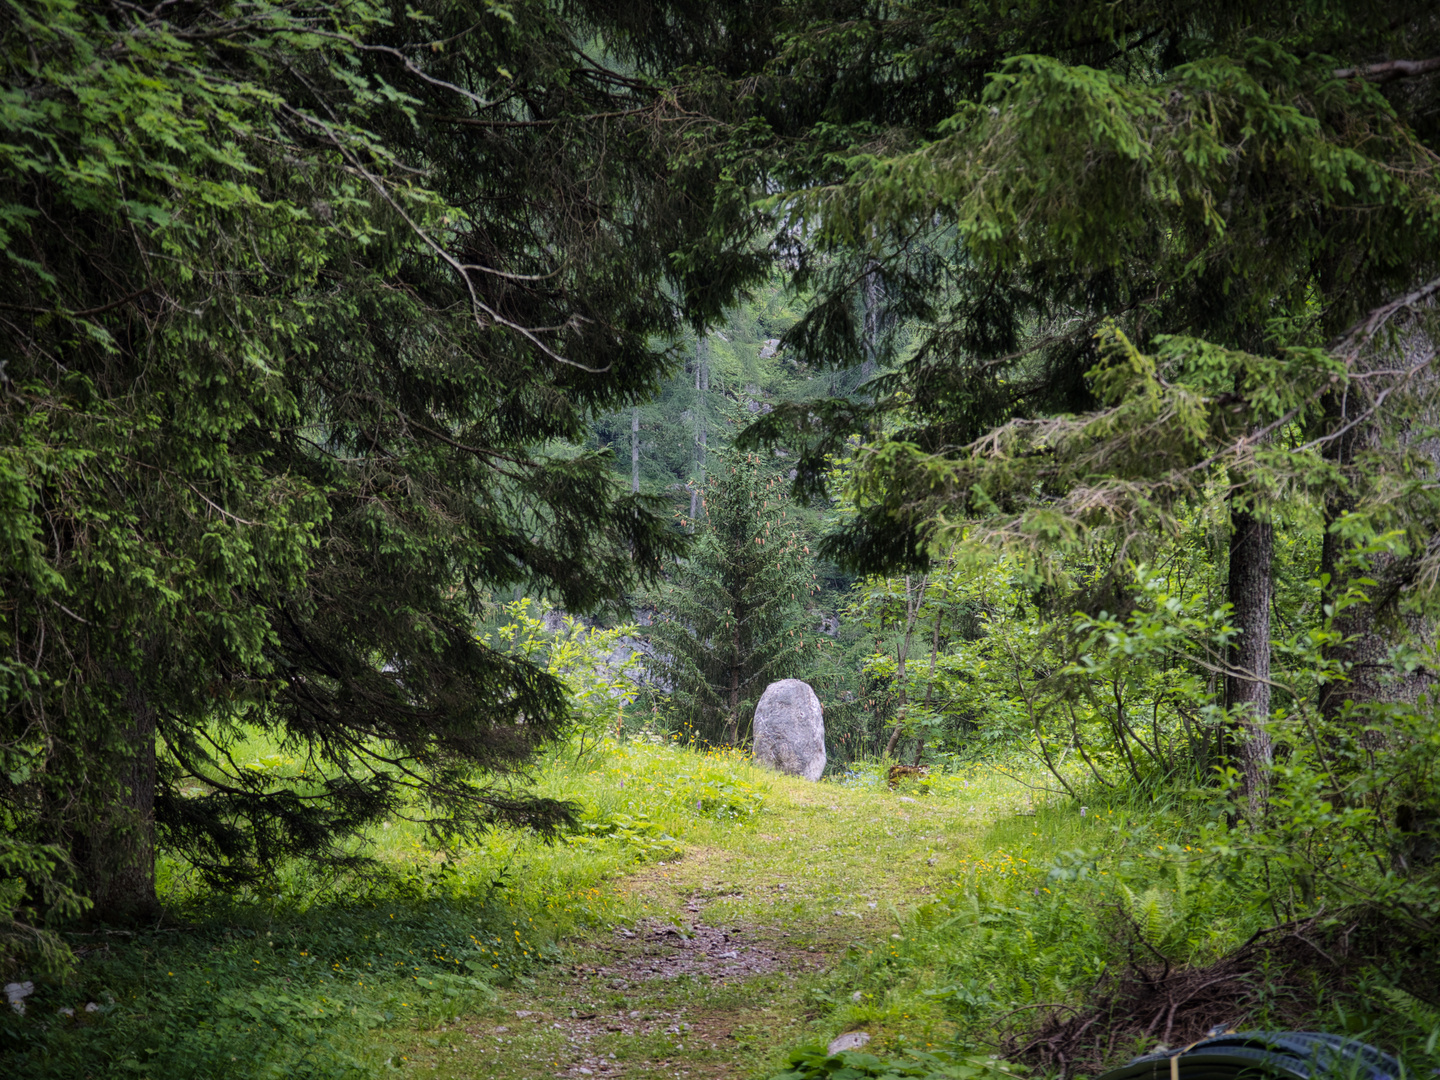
[790, 729]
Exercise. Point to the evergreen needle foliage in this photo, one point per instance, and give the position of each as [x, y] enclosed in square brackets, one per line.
[1206, 183]
[323, 324]
[734, 617]
[305, 308]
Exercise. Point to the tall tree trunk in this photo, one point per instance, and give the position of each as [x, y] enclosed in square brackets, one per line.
[871, 296]
[635, 450]
[116, 854]
[1369, 629]
[902, 651]
[1247, 680]
[732, 733]
[930, 686]
[1357, 645]
[702, 407]
[702, 393]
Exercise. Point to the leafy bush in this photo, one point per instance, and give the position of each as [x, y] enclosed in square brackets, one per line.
[640, 837]
[597, 665]
[717, 795]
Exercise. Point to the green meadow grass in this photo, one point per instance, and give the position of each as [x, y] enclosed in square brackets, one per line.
[924, 916]
[297, 979]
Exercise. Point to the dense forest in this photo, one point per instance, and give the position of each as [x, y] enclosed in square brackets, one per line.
[410, 412]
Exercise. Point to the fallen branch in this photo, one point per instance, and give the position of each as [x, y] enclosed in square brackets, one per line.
[1390, 70]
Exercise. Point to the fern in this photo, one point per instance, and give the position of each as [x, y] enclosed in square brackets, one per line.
[1420, 1013]
[1149, 912]
[1128, 901]
[1153, 920]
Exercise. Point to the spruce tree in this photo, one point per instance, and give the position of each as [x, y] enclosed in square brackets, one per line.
[306, 306]
[1226, 196]
[733, 619]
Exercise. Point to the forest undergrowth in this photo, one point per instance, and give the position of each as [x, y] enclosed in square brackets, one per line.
[710, 919]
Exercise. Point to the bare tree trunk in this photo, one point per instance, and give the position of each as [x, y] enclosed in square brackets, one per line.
[1368, 630]
[635, 450]
[930, 686]
[732, 733]
[871, 296]
[912, 609]
[702, 403]
[702, 393]
[1247, 680]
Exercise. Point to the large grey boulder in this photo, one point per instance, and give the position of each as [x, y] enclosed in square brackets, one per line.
[790, 729]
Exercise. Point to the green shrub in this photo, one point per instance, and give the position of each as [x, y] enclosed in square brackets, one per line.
[638, 836]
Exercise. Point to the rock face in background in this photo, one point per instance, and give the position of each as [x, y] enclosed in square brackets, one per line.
[790, 729]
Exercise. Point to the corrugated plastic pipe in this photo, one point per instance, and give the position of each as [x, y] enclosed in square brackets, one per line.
[1296, 1055]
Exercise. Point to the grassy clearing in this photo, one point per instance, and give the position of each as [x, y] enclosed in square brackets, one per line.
[816, 880]
[340, 978]
[705, 919]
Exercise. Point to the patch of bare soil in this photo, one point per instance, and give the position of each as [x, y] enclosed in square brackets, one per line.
[669, 951]
[655, 951]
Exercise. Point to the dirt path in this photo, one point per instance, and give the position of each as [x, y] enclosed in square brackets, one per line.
[715, 976]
